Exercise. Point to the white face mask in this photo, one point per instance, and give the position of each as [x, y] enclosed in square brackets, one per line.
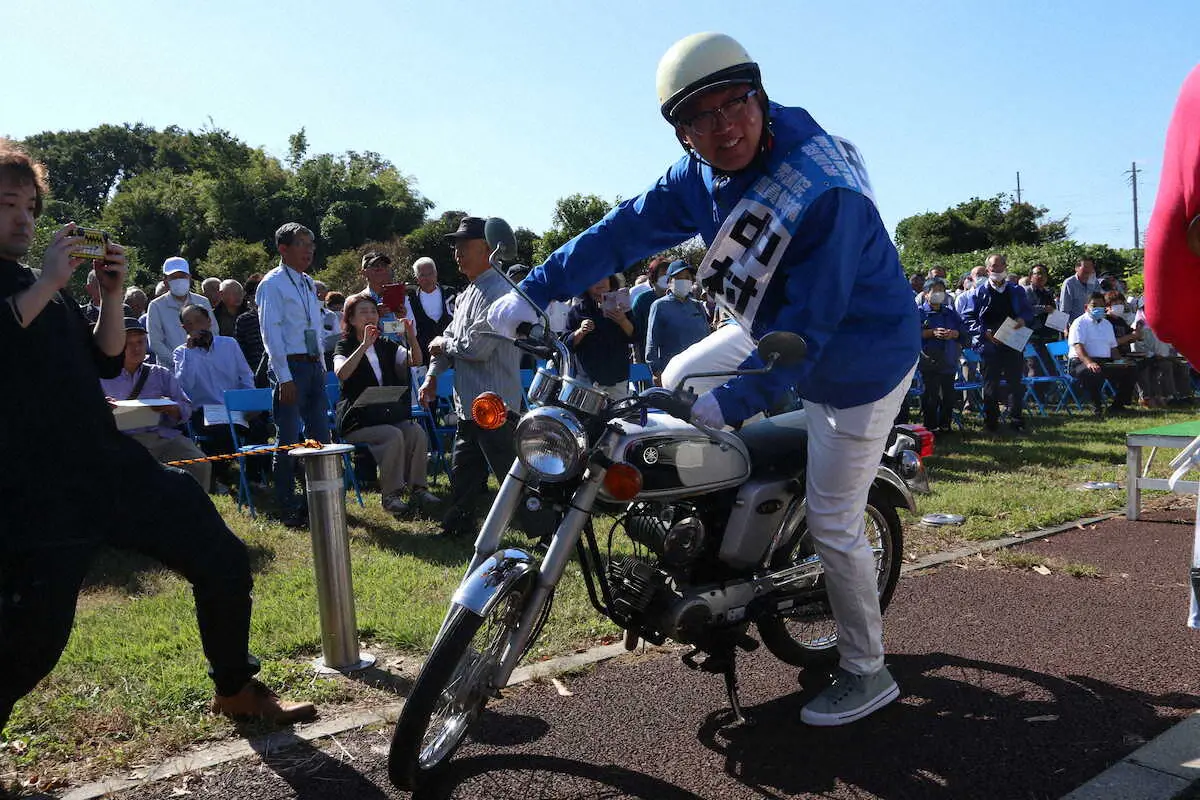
[681, 287]
[998, 279]
[937, 298]
[179, 287]
[1117, 310]
[661, 283]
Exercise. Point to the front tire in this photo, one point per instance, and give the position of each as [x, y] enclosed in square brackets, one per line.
[452, 689]
[808, 638]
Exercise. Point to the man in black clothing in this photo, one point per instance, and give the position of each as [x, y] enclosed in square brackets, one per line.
[431, 303]
[109, 491]
[1043, 301]
[990, 303]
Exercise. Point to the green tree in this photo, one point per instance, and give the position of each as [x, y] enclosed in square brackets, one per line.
[430, 240]
[237, 259]
[573, 215]
[86, 166]
[527, 244]
[164, 213]
[977, 224]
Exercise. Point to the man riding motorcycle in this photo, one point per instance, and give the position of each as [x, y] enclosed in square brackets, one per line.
[795, 244]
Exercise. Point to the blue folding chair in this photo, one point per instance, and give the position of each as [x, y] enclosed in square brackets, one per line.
[333, 393]
[1058, 355]
[973, 387]
[1031, 382]
[640, 377]
[246, 401]
[441, 433]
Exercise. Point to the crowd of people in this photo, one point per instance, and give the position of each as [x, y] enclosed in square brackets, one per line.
[288, 331]
[1110, 346]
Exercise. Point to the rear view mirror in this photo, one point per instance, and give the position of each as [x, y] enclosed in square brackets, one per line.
[782, 348]
[500, 238]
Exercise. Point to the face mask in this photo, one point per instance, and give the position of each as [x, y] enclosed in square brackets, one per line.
[1097, 314]
[179, 287]
[661, 283]
[937, 298]
[998, 279]
[681, 287]
[1118, 310]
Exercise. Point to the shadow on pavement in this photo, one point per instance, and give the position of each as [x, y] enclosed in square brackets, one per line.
[539, 776]
[314, 775]
[963, 728]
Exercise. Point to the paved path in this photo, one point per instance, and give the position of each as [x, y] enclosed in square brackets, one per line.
[1015, 685]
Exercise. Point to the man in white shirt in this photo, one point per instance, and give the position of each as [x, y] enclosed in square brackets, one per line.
[166, 333]
[1092, 343]
[290, 319]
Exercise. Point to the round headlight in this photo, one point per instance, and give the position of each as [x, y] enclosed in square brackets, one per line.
[551, 443]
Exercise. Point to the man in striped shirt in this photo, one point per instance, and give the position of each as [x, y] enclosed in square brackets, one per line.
[481, 362]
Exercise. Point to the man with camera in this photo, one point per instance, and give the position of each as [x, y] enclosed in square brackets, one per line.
[206, 366]
[57, 419]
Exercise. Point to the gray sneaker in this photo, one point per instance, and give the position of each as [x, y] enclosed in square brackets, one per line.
[394, 504]
[850, 697]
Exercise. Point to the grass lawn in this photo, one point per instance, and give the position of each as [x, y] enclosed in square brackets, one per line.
[131, 686]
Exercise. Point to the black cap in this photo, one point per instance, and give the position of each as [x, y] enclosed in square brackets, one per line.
[132, 324]
[468, 228]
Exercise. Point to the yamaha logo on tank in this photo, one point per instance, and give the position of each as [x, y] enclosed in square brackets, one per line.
[650, 455]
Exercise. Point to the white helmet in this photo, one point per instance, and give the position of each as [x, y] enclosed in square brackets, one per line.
[698, 63]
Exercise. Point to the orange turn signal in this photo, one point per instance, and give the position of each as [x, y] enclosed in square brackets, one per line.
[488, 411]
[623, 482]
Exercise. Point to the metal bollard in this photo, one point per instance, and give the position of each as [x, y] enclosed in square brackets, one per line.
[323, 477]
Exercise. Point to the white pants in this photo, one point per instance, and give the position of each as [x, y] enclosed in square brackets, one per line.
[844, 447]
[723, 349]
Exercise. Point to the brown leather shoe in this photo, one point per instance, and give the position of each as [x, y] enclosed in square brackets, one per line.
[256, 700]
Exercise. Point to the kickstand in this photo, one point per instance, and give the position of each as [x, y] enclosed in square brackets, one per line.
[740, 720]
[723, 661]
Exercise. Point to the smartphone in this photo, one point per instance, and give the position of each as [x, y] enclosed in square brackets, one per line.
[392, 326]
[394, 295]
[94, 244]
[618, 300]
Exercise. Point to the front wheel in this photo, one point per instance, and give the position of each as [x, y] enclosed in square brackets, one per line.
[453, 687]
[807, 635]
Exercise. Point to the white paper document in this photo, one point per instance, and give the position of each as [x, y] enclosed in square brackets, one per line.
[1011, 335]
[131, 414]
[1058, 320]
[217, 414]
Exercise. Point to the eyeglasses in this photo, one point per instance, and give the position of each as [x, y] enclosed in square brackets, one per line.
[731, 111]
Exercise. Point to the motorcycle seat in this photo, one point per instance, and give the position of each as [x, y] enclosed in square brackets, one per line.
[777, 444]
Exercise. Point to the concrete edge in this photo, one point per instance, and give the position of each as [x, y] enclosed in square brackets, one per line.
[1161, 769]
[217, 754]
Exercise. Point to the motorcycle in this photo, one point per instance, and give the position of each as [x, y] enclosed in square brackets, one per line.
[709, 540]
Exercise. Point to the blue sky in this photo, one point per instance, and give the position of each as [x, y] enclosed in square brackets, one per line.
[501, 108]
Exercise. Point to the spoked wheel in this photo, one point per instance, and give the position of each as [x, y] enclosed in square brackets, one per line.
[452, 689]
[807, 635]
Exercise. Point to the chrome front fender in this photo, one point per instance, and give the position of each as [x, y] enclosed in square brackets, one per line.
[895, 489]
[499, 572]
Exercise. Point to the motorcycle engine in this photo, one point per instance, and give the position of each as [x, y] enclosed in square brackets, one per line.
[675, 534]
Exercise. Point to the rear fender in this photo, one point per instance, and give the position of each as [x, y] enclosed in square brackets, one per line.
[894, 489]
[492, 579]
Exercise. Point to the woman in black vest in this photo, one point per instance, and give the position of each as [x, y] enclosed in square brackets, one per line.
[400, 447]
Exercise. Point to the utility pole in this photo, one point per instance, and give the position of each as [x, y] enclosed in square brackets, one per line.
[1133, 171]
[1018, 186]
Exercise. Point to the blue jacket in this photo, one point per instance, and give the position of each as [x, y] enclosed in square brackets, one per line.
[839, 284]
[945, 317]
[976, 306]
